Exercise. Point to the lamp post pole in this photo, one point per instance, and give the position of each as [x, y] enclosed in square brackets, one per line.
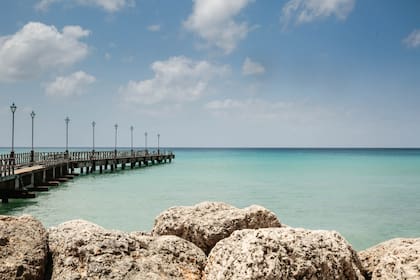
[93, 136]
[145, 142]
[116, 133]
[132, 129]
[32, 150]
[12, 153]
[67, 120]
[158, 143]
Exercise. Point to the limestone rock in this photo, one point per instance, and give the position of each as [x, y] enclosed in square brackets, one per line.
[208, 222]
[82, 250]
[283, 253]
[23, 248]
[394, 259]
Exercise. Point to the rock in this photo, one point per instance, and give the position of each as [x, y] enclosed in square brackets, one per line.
[394, 259]
[23, 248]
[82, 250]
[208, 222]
[283, 253]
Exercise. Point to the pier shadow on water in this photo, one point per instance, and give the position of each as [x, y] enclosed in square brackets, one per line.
[15, 205]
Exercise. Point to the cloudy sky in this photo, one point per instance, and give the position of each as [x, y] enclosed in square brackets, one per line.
[260, 73]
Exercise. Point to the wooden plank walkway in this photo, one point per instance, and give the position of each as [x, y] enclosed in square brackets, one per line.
[19, 175]
[28, 169]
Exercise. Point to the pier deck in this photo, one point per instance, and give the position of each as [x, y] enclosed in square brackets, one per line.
[23, 174]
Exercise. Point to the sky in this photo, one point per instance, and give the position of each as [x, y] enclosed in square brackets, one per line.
[211, 73]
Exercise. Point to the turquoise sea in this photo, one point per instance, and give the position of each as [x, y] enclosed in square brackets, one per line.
[368, 195]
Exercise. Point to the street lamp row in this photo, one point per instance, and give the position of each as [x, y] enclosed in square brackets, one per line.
[13, 109]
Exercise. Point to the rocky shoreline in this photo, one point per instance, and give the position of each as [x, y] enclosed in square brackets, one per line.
[210, 240]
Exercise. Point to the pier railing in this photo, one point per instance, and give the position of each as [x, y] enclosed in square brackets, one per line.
[8, 165]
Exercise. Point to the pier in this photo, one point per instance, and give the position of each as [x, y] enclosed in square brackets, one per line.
[24, 174]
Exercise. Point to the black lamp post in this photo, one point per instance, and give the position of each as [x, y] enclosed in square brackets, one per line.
[32, 150]
[116, 133]
[67, 120]
[12, 153]
[158, 143]
[132, 129]
[145, 142]
[93, 136]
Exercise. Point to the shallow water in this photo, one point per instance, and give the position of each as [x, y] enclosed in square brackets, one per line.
[368, 195]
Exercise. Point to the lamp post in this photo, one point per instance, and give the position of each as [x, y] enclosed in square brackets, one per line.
[116, 133]
[93, 136]
[67, 120]
[132, 129]
[158, 143]
[145, 142]
[12, 153]
[32, 150]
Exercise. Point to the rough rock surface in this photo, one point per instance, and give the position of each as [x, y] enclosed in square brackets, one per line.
[394, 259]
[23, 248]
[209, 222]
[82, 250]
[283, 253]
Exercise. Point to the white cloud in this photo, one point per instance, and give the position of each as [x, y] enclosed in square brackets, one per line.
[252, 68]
[73, 84]
[107, 5]
[254, 108]
[178, 79]
[154, 28]
[107, 56]
[260, 109]
[304, 11]
[413, 40]
[37, 48]
[213, 21]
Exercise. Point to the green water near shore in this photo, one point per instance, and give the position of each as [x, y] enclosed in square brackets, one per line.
[368, 195]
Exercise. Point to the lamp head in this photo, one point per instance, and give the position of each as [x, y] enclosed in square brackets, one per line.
[13, 108]
[67, 120]
[32, 114]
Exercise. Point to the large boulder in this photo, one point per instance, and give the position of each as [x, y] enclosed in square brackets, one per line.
[82, 250]
[207, 223]
[283, 253]
[394, 259]
[23, 248]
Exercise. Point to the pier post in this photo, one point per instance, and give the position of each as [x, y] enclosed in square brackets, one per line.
[123, 165]
[17, 185]
[32, 180]
[100, 169]
[53, 172]
[44, 175]
[112, 167]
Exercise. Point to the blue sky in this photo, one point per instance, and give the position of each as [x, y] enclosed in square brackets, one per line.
[293, 73]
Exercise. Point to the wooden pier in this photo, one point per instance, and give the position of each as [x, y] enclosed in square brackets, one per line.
[24, 174]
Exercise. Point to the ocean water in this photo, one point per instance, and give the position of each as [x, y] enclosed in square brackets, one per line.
[368, 195]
